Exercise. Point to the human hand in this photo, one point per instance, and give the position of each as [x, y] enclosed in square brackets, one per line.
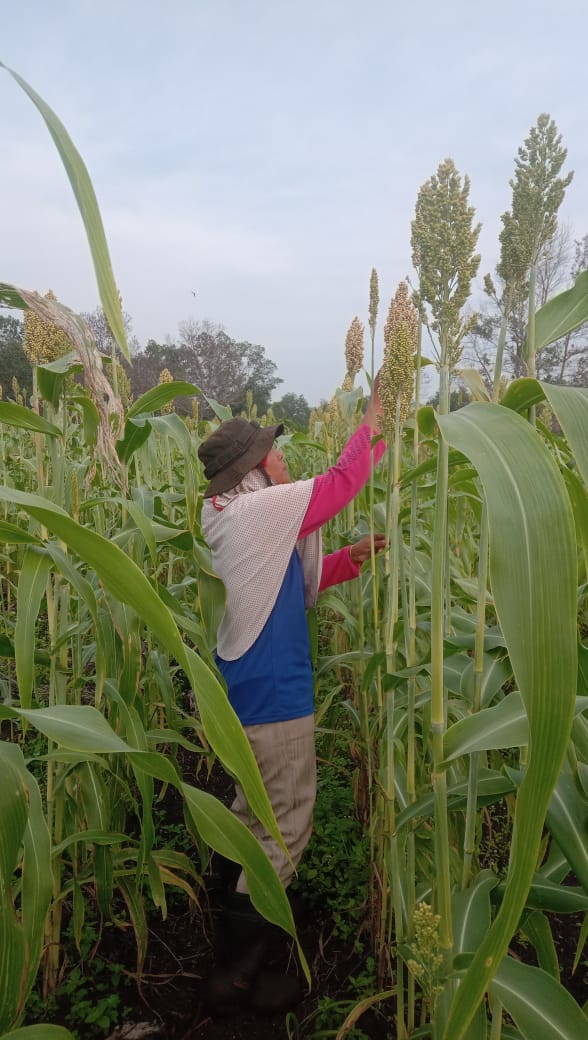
[362, 550]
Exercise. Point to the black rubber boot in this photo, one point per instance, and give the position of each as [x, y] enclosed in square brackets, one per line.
[240, 978]
[225, 873]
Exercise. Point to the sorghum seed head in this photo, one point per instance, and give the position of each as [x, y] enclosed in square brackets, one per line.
[354, 347]
[400, 342]
[43, 341]
[374, 299]
[165, 376]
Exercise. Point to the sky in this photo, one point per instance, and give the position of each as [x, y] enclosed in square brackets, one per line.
[267, 154]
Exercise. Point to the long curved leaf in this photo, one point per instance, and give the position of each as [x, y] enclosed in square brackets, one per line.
[32, 583]
[570, 405]
[10, 534]
[471, 912]
[567, 819]
[221, 829]
[36, 877]
[25, 419]
[88, 206]
[563, 313]
[541, 1008]
[161, 395]
[503, 726]
[522, 394]
[535, 927]
[14, 816]
[560, 899]
[533, 578]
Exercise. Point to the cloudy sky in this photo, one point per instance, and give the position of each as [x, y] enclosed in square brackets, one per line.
[266, 154]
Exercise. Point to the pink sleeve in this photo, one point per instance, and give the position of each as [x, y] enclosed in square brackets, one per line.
[334, 489]
[338, 567]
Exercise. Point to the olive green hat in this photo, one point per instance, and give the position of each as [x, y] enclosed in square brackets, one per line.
[234, 448]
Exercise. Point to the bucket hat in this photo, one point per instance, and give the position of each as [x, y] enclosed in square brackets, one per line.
[235, 447]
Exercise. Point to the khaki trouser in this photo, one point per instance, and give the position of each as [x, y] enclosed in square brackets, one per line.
[285, 754]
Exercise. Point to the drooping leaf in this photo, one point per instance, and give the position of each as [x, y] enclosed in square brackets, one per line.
[567, 819]
[25, 419]
[88, 206]
[14, 816]
[134, 437]
[222, 411]
[503, 726]
[541, 1008]
[10, 534]
[563, 313]
[51, 377]
[570, 405]
[160, 395]
[36, 877]
[522, 393]
[471, 912]
[221, 829]
[535, 926]
[32, 584]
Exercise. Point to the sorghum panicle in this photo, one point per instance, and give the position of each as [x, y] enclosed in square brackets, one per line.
[425, 947]
[354, 347]
[43, 341]
[374, 300]
[400, 342]
[165, 376]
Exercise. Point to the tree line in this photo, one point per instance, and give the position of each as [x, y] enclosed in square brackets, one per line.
[233, 372]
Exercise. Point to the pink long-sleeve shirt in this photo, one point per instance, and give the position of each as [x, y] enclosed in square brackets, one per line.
[334, 490]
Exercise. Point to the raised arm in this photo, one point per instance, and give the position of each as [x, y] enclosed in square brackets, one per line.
[334, 489]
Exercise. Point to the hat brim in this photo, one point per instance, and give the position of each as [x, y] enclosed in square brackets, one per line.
[233, 474]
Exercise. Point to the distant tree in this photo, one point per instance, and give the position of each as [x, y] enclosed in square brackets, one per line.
[14, 364]
[561, 362]
[566, 360]
[221, 367]
[148, 364]
[458, 397]
[98, 323]
[293, 407]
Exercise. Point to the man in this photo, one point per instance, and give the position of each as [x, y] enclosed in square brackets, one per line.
[264, 534]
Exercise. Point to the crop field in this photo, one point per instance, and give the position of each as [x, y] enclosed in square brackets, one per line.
[447, 878]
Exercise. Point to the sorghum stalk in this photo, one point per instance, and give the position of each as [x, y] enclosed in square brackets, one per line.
[438, 693]
[496, 1026]
[472, 801]
[412, 682]
[500, 349]
[531, 366]
[396, 391]
[394, 882]
[393, 540]
[373, 316]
